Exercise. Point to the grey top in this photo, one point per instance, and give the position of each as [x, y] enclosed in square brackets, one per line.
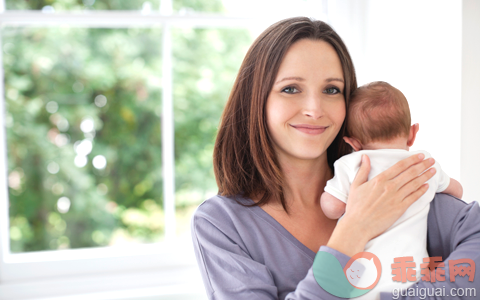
[244, 253]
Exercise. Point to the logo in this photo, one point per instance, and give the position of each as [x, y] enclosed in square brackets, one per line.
[360, 275]
[363, 271]
[432, 269]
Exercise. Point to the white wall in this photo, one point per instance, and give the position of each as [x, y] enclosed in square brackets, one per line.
[417, 47]
[470, 138]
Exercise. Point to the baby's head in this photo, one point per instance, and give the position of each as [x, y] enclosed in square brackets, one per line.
[378, 117]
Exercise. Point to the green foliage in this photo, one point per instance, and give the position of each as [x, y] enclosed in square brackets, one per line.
[201, 88]
[57, 80]
[63, 70]
[60, 5]
[197, 6]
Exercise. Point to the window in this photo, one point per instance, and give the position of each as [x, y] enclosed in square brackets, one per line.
[110, 112]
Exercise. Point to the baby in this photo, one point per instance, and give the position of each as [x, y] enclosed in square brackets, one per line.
[378, 125]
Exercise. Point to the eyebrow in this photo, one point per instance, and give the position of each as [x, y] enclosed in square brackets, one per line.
[302, 79]
[290, 78]
[335, 79]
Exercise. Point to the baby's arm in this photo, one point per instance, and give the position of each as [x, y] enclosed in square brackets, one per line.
[454, 188]
[332, 207]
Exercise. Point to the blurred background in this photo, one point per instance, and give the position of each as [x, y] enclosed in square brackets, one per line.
[83, 118]
[111, 109]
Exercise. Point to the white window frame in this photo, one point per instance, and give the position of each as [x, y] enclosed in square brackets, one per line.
[156, 269]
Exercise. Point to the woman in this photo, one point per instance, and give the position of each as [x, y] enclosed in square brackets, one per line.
[280, 133]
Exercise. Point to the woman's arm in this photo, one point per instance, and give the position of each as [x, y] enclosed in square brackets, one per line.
[228, 272]
[453, 233]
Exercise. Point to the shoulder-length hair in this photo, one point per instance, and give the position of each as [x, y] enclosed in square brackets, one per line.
[244, 160]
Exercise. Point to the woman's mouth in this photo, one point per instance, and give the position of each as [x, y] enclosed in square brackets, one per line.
[310, 129]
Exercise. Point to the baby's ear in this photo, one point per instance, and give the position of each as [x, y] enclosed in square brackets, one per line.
[356, 145]
[412, 134]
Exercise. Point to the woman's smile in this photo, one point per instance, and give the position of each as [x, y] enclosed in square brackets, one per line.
[310, 129]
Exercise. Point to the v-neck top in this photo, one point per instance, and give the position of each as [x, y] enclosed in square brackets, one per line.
[244, 253]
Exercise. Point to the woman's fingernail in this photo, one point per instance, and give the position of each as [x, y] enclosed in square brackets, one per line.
[421, 155]
[432, 170]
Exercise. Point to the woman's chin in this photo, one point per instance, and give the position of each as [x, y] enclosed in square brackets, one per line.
[307, 155]
[299, 150]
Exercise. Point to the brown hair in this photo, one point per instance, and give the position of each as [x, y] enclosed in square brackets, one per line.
[378, 112]
[244, 160]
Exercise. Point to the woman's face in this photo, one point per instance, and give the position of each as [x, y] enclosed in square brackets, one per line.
[306, 106]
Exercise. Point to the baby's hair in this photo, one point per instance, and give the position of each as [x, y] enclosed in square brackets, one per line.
[378, 112]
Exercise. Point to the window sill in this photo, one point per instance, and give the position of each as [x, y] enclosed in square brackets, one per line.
[167, 283]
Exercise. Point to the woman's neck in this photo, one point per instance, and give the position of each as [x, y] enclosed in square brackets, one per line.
[304, 182]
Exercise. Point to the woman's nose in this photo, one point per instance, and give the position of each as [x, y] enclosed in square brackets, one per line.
[314, 108]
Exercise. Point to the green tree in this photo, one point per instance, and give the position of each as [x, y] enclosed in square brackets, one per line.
[76, 93]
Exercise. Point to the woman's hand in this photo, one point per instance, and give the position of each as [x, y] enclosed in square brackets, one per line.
[373, 206]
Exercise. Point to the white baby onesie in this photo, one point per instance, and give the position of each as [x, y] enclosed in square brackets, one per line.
[408, 235]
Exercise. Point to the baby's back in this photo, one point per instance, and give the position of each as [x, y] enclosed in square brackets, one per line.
[407, 236]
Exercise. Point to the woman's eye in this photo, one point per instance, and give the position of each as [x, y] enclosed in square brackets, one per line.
[332, 90]
[290, 90]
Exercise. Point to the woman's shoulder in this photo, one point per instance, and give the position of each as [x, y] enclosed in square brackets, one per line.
[447, 210]
[450, 222]
[224, 212]
[220, 205]
[225, 222]
[445, 206]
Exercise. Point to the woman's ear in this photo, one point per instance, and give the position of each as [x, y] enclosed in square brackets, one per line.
[356, 145]
[412, 134]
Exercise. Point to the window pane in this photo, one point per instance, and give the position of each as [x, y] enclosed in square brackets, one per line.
[62, 5]
[269, 8]
[205, 64]
[192, 6]
[83, 113]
